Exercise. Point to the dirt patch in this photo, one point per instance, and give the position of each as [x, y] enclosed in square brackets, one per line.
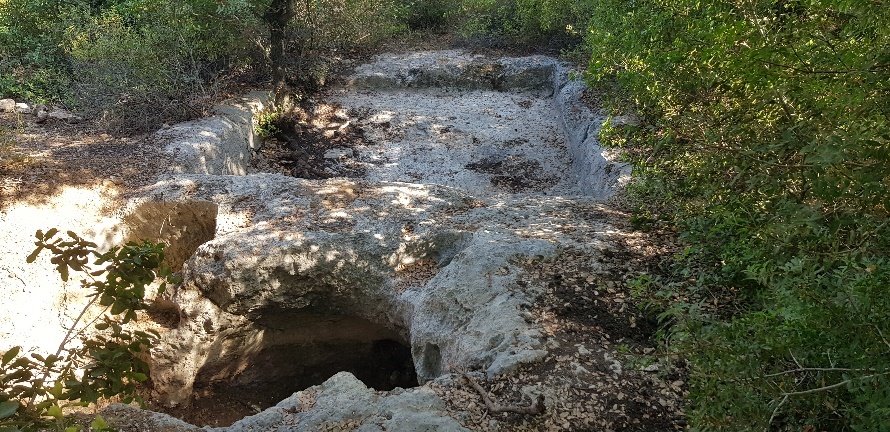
[514, 173]
[603, 364]
[38, 161]
[314, 142]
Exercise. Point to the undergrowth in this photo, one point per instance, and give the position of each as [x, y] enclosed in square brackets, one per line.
[766, 142]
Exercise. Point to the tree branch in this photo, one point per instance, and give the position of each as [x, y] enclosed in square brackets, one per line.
[537, 407]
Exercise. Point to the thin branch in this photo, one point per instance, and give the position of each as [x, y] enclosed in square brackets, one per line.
[786, 396]
[776, 411]
[806, 369]
[880, 333]
[537, 407]
[876, 68]
[835, 385]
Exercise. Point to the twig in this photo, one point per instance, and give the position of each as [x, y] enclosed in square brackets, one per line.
[881, 334]
[787, 395]
[806, 369]
[776, 411]
[835, 385]
[537, 407]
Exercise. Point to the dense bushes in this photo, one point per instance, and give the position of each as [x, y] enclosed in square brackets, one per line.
[136, 63]
[128, 60]
[767, 142]
[510, 22]
[124, 59]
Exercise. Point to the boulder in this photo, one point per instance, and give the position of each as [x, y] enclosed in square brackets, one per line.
[56, 114]
[7, 105]
[23, 108]
[340, 403]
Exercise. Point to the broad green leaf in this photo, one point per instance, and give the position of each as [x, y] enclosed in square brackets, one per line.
[8, 408]
[99, 424]
[11, 354]
[57, 390]
[55, 411]
[118, 308]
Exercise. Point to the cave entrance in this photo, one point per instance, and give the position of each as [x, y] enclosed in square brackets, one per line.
[295, 352]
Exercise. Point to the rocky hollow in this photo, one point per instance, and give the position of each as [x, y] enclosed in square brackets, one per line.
[349, 300]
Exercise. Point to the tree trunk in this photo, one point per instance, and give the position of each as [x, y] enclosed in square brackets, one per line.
[278, 16]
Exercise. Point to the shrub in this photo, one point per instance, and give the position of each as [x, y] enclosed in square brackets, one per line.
[430, 14]
[522, 21]
[322, 31]
[33, 65]
[767, 142]
[35, 388]
[134, 68]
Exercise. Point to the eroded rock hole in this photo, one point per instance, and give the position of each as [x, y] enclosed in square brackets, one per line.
[182, 226]
[290, 353]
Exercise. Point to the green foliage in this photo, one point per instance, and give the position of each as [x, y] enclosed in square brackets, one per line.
[32, 59]
[322, 30]
[134, 64]
[521, 21]
[767, 143]
[123, 60]
[35, 388]
[267, 123]
[129, 63]
[430, 14]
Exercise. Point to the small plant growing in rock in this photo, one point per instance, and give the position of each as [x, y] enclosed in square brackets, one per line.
[267, 124]
[34, 388]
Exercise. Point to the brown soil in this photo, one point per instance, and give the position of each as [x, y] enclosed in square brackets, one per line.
[40, 160]
[301, 139]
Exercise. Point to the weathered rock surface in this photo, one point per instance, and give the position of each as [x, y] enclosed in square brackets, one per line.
[595, 171]
[23, 108]
[220, 144]
[431, 265]
[7, 105]
[340, 403]
[455, 68]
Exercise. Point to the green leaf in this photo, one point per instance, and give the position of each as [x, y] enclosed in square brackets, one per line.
[75, 428]
[49, 234]
[33, 257]
[11, 354]
[118, 308]
[57, 390]
[99, 424]
[8, 408]
[55, 411]
[63, 271]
